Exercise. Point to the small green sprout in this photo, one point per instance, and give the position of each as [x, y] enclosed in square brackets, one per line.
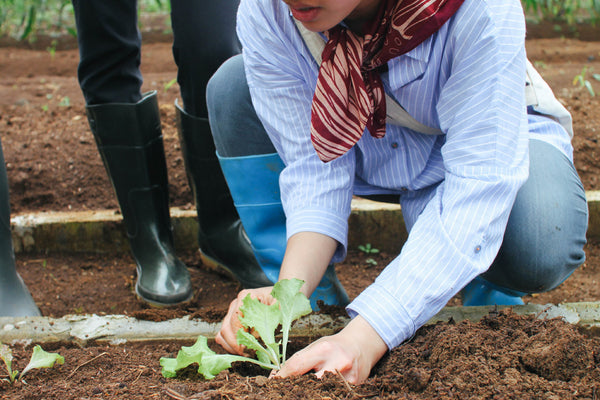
[39, 359]
[65, 102]
[168, 85]
[583, 82]
[52, 48]
[371, 261]
[367, 249]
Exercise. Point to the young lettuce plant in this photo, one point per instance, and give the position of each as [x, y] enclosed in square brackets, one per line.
[39, 359]
[256, 317]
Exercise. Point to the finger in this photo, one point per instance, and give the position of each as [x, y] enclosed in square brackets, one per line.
[223, 342]
[227, 335]
[300, 363]
[224, 338]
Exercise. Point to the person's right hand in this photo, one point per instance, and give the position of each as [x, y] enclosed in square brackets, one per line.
[352, 352]
[231, 323]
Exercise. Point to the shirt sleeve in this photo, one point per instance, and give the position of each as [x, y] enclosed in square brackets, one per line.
[316, 197]
[460, 226]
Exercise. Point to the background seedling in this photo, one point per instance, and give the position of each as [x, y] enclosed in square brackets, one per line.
[368, 249]
[169, 84]
[581, 80]
[39, 359]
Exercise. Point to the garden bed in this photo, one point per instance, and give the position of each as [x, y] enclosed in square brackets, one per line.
[53, 165]
[502, 356]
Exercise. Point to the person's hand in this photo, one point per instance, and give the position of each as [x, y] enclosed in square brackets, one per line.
[231, 323]
[352, 352]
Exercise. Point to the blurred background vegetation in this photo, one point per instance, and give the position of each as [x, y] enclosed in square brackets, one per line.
[26, 20]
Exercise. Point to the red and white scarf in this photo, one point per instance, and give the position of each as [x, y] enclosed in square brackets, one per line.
[349, 95]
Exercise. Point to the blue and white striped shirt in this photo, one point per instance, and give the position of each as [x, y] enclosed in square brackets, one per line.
[456, 189]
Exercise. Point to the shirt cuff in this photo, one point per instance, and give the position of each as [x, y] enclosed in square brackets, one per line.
[384, 313]
[328, 223]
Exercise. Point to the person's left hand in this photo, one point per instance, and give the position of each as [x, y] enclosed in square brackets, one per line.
[231, 323]
[352, 352]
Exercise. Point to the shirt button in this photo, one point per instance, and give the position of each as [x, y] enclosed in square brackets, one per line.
[394, 145]
[477, 249]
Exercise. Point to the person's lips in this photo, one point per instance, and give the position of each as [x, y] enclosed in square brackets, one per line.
[304, 13]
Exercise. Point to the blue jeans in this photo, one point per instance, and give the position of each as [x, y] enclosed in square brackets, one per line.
[546, 232]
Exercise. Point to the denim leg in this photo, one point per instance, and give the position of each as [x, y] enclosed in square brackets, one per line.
[236, 129]
[546, 231]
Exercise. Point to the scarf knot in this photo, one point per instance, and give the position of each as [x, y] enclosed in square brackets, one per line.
[350, 96]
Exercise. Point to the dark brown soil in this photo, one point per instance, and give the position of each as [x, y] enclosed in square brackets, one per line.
[53, 164]
[504, 356]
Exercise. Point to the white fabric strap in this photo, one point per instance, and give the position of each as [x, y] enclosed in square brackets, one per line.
[537, 94]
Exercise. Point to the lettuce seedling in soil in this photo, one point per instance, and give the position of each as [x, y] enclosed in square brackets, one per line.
[258, 318]
[39, 359]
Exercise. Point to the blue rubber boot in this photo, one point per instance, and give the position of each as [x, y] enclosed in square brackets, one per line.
[480, 292]
[254, 185]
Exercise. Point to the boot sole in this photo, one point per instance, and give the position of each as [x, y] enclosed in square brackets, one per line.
[216, 266]
[156, 303]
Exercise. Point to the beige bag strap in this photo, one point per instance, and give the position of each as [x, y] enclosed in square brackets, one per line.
[537, 94]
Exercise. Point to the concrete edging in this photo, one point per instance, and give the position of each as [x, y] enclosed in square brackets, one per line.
[117, 329]
[103, 232]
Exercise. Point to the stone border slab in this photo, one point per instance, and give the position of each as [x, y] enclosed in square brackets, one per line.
[117, 329]
[380, 224]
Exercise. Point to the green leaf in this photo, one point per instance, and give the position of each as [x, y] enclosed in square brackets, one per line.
[590, 89]
[187, 355]
[42, 359]
[264, 319]
[209, 362]
[368, 249]
[6, 356]
[266, 355]
[30, 23]
[293, 304]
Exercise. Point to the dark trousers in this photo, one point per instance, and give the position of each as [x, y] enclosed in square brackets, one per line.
[110, 48]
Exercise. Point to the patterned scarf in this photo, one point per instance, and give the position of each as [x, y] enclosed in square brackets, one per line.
[349, 95]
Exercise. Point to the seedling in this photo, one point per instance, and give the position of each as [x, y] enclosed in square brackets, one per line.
[367, 249]
[583, 82]
[257, 318]
[52, 49]
[39, 359]
[168, 85]
[371, 261]
[65, 102]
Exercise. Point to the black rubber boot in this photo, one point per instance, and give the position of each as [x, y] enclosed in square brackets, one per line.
[129, 139]
[15, 299]
[221, 237]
